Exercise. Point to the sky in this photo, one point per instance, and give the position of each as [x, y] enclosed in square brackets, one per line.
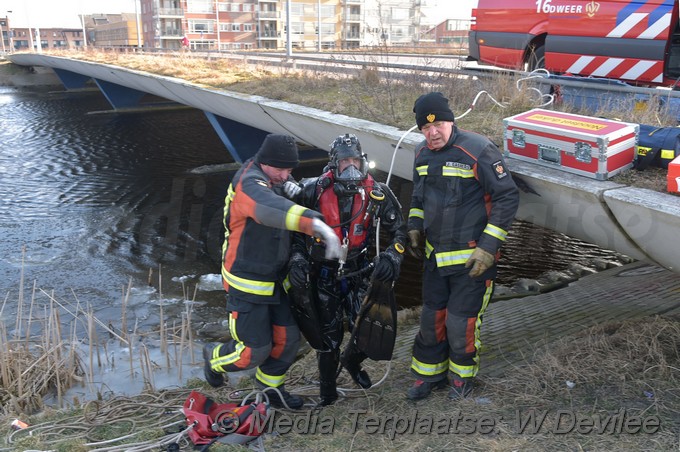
[64, 13]
[58, 13]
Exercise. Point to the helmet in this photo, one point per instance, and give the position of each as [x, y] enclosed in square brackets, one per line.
[347, 146]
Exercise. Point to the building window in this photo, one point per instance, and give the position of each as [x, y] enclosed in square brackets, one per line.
[198, 26]
[235, 27]
[400, 13]
[248, 27]
[200, 6]
[327, 11]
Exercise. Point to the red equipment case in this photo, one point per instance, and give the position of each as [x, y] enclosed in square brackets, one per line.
[591, 147]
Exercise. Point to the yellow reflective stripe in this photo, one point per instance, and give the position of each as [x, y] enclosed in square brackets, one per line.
[416, 213]
[427, 369]
[452, 257]
[428, 249]
[232, 328]
[478, 324]
[464, 371]
[422, 170]
[265, 288]
[668, 154]
[217, 362]
[495, 231]
[293, 217]
[457, 172]
[273, 381]
[471, 371]
[286, 284]
[227, 202]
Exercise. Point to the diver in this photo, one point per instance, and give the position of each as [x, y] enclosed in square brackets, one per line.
[353, 203]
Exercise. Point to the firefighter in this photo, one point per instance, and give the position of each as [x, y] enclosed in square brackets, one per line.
[352, 203]
[257, 221]
[464, 201]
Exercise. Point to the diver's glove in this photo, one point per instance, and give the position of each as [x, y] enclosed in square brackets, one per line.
[325, 233]
[299, 269]
[389, 264]
[291, 189]
[480, 261]
[414, 248]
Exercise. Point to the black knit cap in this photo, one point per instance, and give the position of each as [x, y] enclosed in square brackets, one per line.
[279, 151]
[432, 107]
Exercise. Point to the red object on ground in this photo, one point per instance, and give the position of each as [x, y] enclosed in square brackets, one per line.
[674, 175]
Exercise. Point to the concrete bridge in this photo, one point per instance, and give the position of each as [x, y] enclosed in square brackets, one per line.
[640, 223]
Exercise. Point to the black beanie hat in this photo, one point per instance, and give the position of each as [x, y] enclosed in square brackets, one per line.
[432, 107]
[279, 151]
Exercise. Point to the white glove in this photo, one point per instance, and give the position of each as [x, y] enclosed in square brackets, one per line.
[331, 240]
[291, 189]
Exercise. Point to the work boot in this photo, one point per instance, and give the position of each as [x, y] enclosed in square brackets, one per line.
[422, 389]
[328, 368]
[214, 379]
[460, 388]
[355, 371]
[280, 398]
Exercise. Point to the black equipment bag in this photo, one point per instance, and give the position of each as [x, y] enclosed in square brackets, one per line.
[657, 146]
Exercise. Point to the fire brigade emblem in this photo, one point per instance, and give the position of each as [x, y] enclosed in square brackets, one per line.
[430, 117]
[592, 8]
[499, 170]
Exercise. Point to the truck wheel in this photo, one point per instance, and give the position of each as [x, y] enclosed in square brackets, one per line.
[536, 58]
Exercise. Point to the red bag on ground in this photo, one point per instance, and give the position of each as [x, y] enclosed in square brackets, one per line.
[227, 423]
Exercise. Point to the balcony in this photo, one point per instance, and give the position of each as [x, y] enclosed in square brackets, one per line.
[353, 17]
[171, 33]
[353, 36]
[169, 12]
[268, 15]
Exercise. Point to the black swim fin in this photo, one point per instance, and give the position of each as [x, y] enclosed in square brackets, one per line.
[375, 331]
[306, 315]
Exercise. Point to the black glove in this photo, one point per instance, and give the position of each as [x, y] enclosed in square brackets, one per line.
[299, 269]
[389, 265]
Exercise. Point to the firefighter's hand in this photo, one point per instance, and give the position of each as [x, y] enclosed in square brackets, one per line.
[414, 248]
[299, 271]
[331, 240]
[389, 264]
[291, 189]
[480, 261]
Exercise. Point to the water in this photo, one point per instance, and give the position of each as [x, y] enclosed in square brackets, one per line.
[94, 202]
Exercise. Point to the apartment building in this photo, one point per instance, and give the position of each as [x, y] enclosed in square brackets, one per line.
[275, 24]
[50, 38]
[228, 25]
[112, 30]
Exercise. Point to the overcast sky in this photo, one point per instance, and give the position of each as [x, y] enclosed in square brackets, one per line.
[64, 13]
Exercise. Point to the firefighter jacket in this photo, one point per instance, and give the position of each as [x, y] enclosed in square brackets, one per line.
[463, 197]
[257, 223]
[352, 215]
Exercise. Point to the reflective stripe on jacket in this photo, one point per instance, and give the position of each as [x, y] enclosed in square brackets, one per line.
[463, 197]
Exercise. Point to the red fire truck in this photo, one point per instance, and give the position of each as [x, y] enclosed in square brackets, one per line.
[634, 41]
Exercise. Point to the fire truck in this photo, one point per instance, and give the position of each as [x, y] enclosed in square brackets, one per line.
[637, 42]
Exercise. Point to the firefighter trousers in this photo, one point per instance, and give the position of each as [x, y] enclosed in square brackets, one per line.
[265, 336]
[450, 321]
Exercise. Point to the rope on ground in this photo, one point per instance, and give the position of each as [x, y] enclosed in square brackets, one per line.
[134, 416]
